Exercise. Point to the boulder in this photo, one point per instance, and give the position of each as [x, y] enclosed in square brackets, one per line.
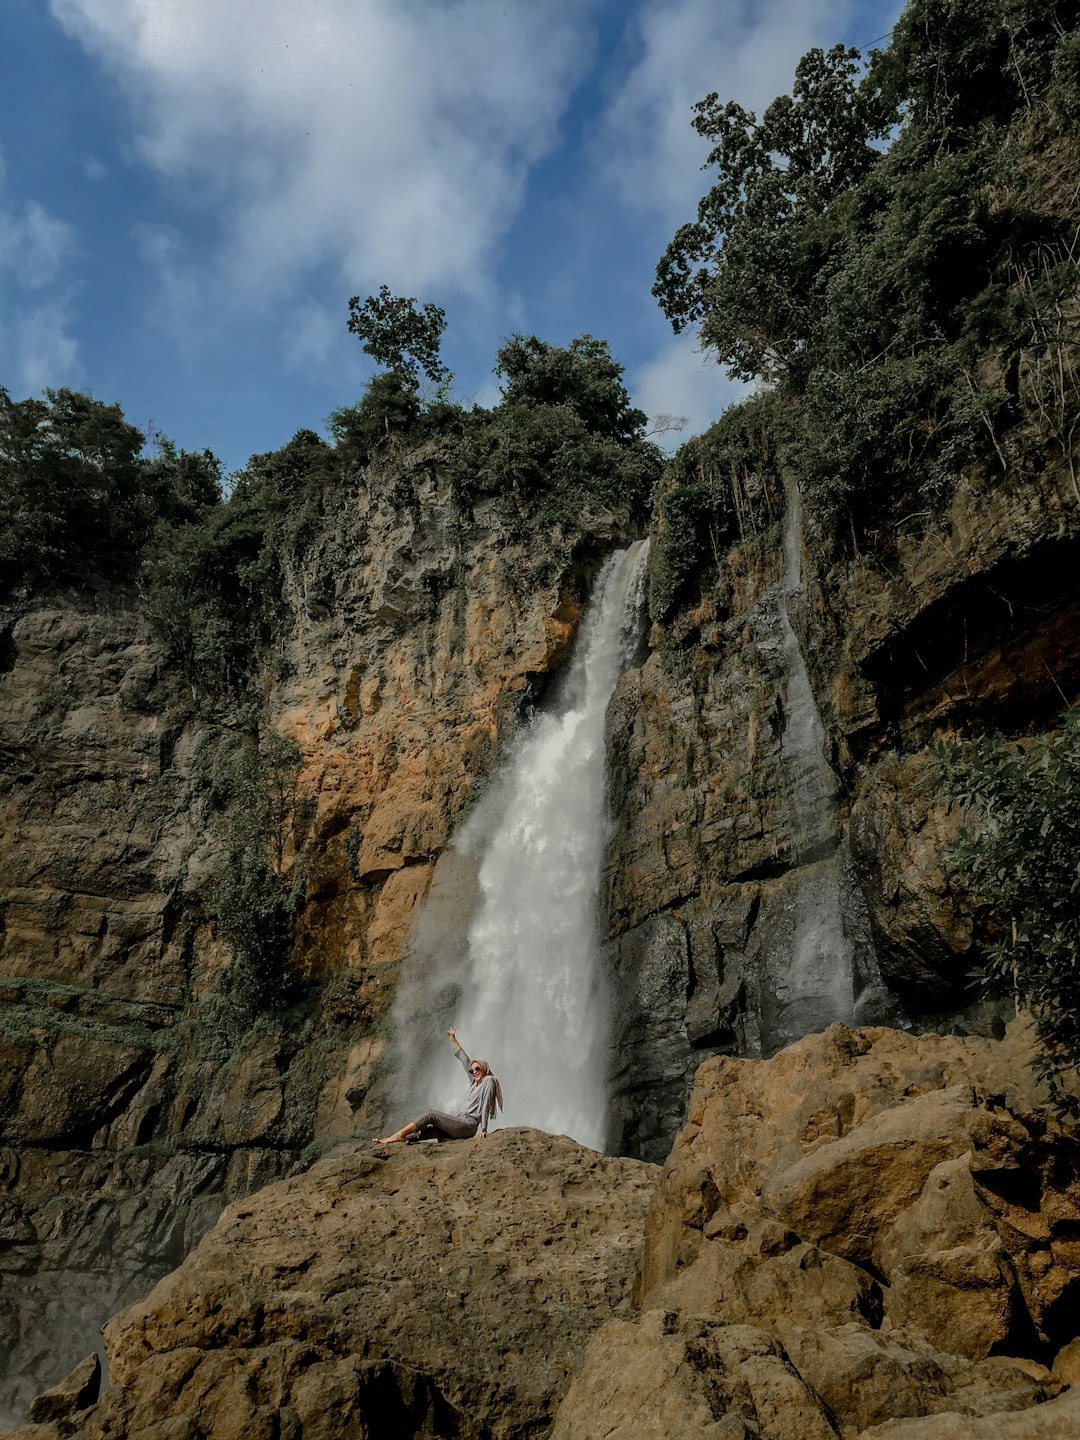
[451, 1289]
[698, 1380]
[76, 1392]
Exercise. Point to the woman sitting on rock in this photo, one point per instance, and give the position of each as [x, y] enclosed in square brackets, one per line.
[484, 1097]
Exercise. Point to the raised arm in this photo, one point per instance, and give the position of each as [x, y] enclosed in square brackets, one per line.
[458, 1050]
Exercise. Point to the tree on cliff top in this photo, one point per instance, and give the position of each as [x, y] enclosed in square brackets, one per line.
[888, 247]
[582, 376]
[78, 499]
[398, 335]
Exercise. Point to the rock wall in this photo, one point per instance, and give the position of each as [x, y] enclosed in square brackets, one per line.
[130, 1113]
[416, 642]
[711, 888]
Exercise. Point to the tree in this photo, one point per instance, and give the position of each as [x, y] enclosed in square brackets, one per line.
[750, 270]
[72, 499]
[582, 376]
[398, 335]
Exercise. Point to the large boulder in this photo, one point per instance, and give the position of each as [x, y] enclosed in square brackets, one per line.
[892, 1214]
[425, 1290]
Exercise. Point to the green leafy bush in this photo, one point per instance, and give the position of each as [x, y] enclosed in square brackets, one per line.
[1019, 857]
[215, 583]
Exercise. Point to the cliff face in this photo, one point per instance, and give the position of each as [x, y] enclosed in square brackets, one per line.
[730, 857]
[132, 1110]
[765, 784]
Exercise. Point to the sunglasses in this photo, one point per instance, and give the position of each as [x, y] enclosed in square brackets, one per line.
[474, 1070]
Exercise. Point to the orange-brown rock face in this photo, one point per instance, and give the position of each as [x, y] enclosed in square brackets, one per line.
[118, 1074]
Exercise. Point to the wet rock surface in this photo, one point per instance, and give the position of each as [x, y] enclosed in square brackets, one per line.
[723, 868]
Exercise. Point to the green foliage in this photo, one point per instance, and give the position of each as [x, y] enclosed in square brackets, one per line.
[581, 377]
[78, 501]
[1019, 857]
[718, 488]
[254, 899]
[885, 249]
[215, 585]
[563, 441]
[401, 337]
[389, 405]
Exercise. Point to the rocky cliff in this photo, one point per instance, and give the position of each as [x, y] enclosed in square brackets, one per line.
[400, 679]
[134, 1105]
[728, 858]
[766, 763]
[870, 1235]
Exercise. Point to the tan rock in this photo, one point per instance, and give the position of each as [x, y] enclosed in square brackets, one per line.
[863, 1374]
[1066, 1369]
[867, 1199]
[465, 1278]
[843, 1194]
[700, 1381]
[948, 1270]
[74, 1393]
[1057, 1419]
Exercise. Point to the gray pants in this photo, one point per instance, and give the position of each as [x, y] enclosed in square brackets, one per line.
[437, 1125]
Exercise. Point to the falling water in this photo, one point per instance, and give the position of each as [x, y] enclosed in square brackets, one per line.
[829, 971]
[533, 1000]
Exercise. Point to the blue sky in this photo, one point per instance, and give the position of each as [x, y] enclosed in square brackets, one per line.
[190, 190]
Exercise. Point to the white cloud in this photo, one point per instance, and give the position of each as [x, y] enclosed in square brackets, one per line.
[42, 348]
[391, 141]
[683, 382]
[183, 307]
[34, 245]
[745, 50]
[36, 343]
[315, 338]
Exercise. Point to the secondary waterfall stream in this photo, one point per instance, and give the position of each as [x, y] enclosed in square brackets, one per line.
[828, 970]
[532, 998]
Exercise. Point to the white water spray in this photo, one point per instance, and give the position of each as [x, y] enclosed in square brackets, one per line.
[533, 999]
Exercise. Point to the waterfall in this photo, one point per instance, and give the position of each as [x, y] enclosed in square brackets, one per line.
[532, 998]
[828, 970]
